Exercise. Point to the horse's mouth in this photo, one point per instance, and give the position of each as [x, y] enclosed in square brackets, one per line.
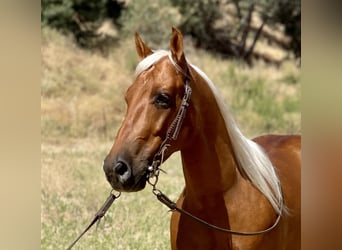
[129, 186]
[138, 185]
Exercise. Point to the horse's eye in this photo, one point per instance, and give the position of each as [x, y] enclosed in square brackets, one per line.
[162, 100]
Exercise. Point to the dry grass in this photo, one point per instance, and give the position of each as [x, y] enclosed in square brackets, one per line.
[82, 106]
[81, 92]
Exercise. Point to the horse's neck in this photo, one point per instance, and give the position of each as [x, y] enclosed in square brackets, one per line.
[208, 163]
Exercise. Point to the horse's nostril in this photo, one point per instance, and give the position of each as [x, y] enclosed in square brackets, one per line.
[120, 168]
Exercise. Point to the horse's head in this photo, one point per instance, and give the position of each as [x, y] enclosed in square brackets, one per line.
[153, 101]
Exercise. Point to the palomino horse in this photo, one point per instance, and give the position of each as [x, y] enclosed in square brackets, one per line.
[230, 181]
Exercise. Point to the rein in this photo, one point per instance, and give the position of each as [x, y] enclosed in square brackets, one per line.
[173, 207]
[172, 134]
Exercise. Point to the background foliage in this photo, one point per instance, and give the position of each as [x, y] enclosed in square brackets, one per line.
[81, 18]
[229, 28]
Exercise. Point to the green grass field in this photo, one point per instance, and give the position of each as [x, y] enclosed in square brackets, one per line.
[82, 106]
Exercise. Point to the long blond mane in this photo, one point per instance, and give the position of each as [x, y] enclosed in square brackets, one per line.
[252, 161]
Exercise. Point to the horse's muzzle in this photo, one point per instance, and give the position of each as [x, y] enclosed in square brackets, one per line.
[121, 175]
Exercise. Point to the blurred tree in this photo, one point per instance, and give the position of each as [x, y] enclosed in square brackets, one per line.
[288, 13]
[198, 20]
[152, 18]
[82, 18]
[229, 27]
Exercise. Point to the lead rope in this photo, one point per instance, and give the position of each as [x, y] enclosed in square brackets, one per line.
[102, 211]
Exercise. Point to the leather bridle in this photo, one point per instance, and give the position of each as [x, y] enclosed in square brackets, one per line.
[172, 132]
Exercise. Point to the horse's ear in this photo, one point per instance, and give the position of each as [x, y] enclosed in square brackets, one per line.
[176, 48]
[142, 49]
